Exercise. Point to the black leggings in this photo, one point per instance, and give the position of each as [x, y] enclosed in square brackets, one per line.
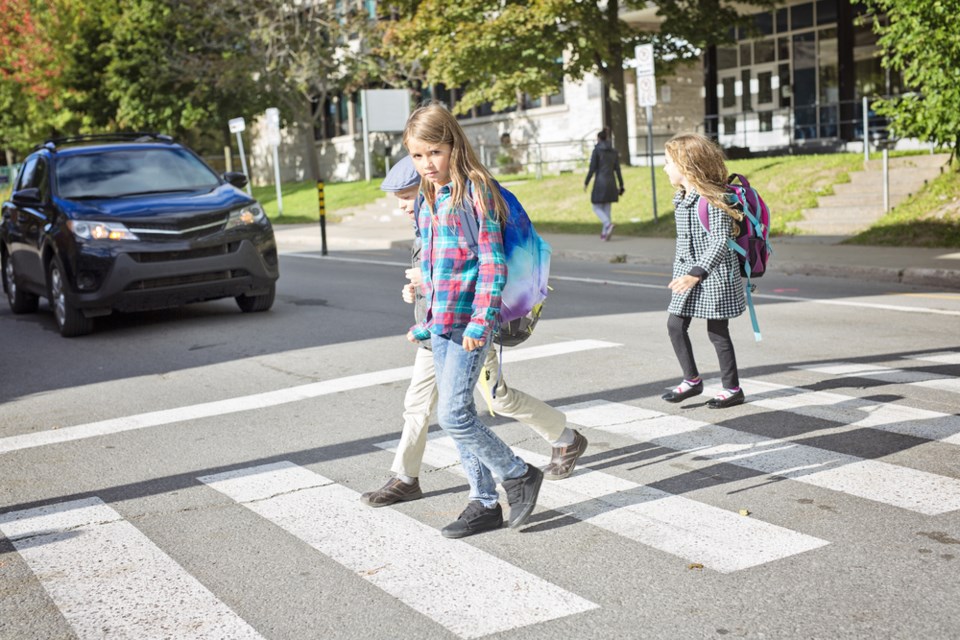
[720, 337]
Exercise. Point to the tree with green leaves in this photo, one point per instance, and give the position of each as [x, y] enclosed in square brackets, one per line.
[920, 40]
[306, 52]
[183, 67]
[493, 50]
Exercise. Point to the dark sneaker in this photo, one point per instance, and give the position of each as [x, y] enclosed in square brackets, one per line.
[725, 399]
[682, 392]
[564, 459]
[522, 495]
[476, 518]
[396, 490]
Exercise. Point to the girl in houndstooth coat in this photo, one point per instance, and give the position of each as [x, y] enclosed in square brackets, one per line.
[706, 275]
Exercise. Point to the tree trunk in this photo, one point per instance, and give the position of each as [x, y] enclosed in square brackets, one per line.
[615, 93]
[305, 121]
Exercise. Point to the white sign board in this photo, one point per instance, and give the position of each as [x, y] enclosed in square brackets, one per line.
[272, 128]
[386, 109]
[644, 55]
[646, 91]
[237, 125]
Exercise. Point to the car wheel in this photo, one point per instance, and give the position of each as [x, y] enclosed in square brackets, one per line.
[249, 304]
[70, 320]
[20, 301]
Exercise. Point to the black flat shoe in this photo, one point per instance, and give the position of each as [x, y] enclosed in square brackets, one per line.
[729, 401]
[674, 396]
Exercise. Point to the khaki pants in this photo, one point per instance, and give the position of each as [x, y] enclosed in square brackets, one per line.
[421, 400]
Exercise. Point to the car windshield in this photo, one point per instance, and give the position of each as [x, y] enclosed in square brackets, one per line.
[126, 172]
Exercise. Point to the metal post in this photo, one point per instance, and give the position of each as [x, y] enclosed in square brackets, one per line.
[886, 181]
[653, 171]
[243, 163]
[366, 136]
[323, 218]
[276, 177]
[866, 130]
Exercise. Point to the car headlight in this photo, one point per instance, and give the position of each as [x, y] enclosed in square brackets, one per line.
[100, 230]
[250, 214]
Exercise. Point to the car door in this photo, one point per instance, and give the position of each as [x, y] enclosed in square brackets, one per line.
[27, 219]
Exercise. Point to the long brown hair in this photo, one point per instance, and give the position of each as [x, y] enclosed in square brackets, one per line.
[434, 124]
[701, 162]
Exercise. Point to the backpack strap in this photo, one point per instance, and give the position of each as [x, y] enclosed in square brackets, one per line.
[703, 214]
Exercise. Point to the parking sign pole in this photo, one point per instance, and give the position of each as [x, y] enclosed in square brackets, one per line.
[237, 125]
[243, 163]
[647, 97]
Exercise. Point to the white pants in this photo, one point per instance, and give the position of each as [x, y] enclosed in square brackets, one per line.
[421, 400]
[603, 212]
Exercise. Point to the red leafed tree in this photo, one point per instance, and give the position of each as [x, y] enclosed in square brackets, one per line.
[27, 56]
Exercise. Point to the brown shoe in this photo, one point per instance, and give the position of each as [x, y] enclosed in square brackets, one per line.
[396, 490]
[564, 459]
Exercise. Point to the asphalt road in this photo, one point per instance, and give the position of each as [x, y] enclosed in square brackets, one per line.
[194, 473]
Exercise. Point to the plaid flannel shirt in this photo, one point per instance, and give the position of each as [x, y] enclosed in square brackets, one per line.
[461, 289]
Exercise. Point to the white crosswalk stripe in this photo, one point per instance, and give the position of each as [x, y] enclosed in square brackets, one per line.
[887, 374]
[718, 539]
[402, 556]
[261, 400]
[109, 580]
[854, 412]
[871, 479]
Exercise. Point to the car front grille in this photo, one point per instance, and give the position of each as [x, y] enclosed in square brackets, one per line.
[191, 227]
[194, 278]
[186, 254]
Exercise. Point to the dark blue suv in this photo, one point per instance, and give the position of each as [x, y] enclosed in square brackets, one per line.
[130, 223]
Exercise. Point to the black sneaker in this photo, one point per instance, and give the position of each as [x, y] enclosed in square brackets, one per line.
[476, 518]
[522, 495]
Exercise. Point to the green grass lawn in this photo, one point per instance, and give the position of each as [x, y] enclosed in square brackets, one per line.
[301, 200]
[558, 203]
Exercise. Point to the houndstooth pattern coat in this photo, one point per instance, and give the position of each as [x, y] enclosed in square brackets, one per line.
[720, 294]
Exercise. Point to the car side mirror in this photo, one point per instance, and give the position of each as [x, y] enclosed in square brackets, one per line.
[236, 178]
[28, 196]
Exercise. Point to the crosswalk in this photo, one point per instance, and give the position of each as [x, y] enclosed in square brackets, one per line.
[103, 573]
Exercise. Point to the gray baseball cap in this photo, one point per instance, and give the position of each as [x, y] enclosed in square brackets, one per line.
[401, 176]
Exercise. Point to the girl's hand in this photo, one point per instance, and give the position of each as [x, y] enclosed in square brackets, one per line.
[414, 276]
[408, 293]
[469, 344]
[683, 283]
[410, 337]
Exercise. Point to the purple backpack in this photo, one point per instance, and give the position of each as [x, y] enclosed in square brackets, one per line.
[751, 245]
[753, 251]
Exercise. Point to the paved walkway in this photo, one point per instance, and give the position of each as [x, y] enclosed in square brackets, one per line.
[381, 226]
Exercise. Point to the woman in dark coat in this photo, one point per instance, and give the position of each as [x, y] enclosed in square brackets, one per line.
[604, 163]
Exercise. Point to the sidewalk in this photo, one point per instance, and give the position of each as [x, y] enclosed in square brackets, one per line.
[381, 226]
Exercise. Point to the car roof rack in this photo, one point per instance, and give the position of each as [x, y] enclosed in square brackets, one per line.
[131, 136]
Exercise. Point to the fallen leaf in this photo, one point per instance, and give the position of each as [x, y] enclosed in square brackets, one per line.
[694, 565]
[744, 512]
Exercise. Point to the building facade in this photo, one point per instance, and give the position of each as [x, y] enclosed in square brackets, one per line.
[792, 81]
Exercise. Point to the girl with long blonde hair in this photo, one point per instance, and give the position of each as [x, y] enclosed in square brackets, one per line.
[463, 290]
[706, 275]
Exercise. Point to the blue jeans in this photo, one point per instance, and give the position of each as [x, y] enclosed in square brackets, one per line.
[482, 453]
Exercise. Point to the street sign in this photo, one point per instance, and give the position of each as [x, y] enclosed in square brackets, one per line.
[646, 91]
[237, 125]
[272, 128]
[644, 56]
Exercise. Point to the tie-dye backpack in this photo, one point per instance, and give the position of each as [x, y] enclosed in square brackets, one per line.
[528, 267]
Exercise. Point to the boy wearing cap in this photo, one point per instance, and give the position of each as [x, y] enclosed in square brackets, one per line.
[421, 398]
